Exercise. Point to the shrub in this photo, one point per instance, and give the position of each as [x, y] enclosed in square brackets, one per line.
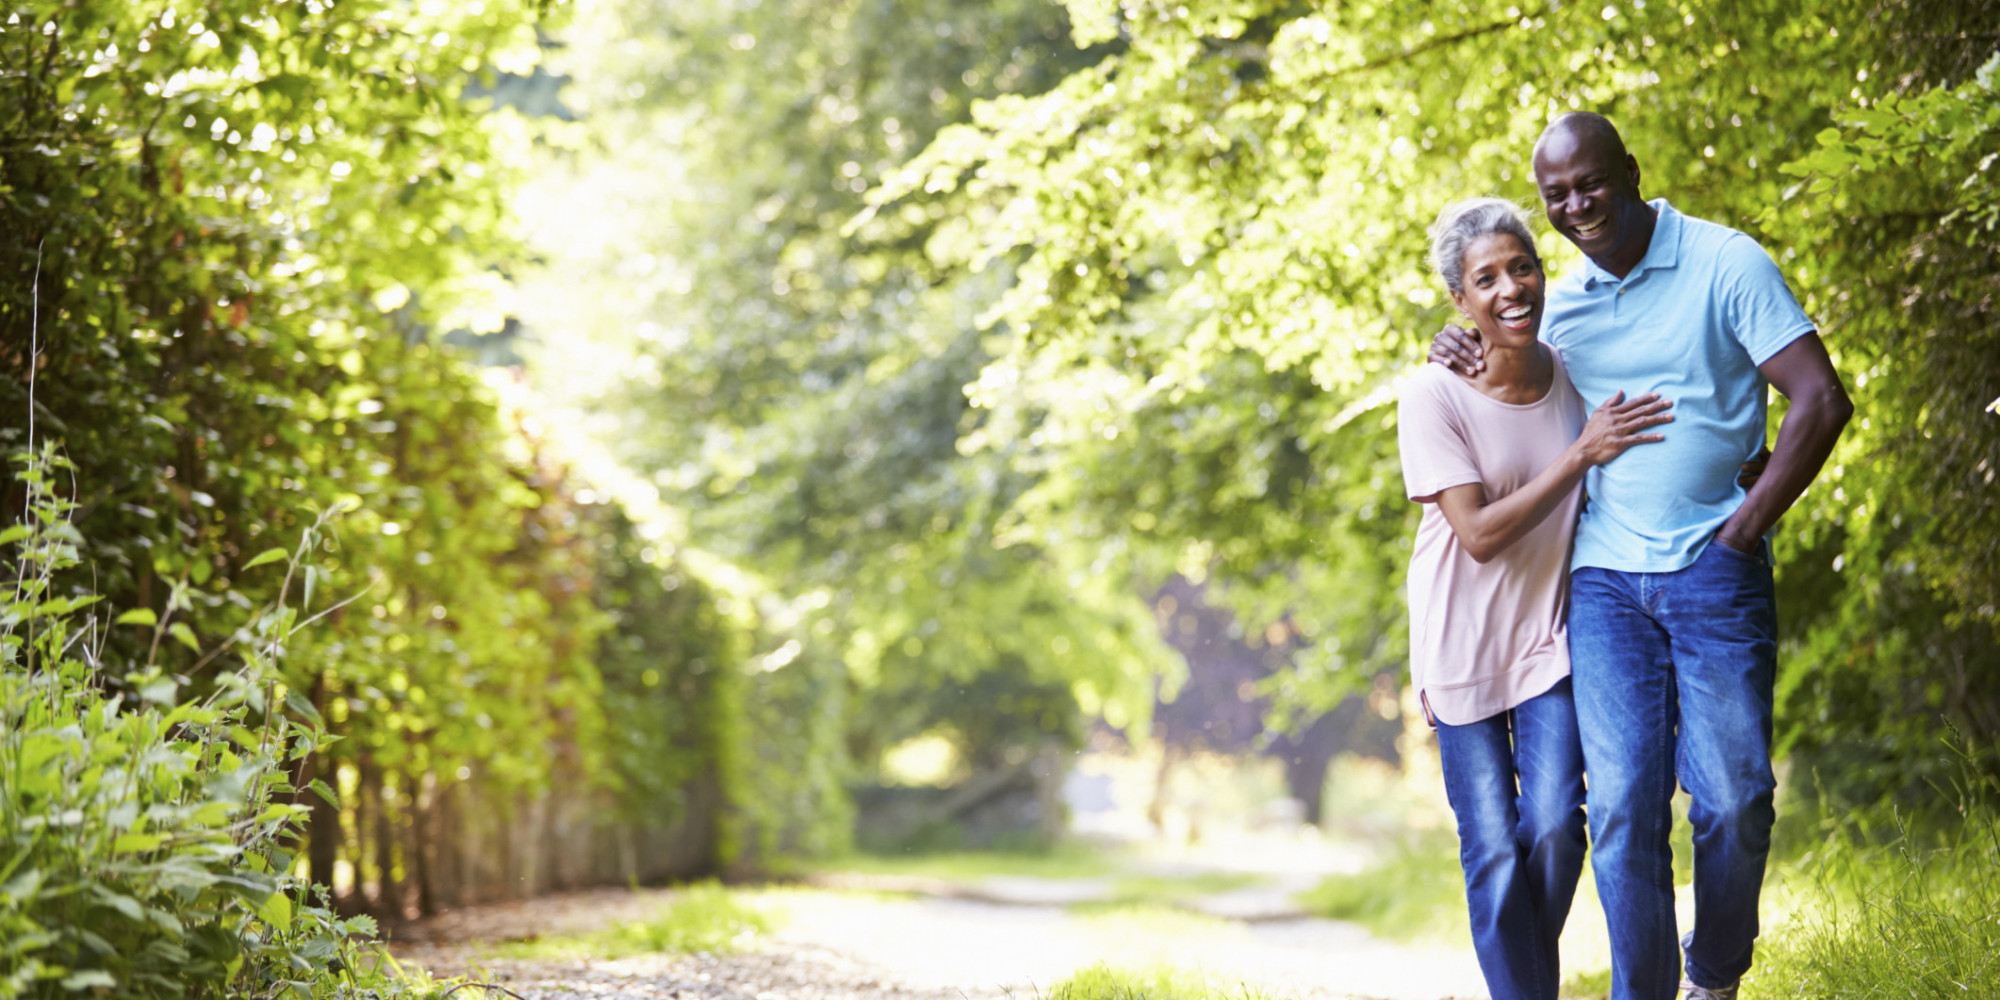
[144, 827]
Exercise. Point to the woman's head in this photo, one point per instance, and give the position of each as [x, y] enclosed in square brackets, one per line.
[1483, 250]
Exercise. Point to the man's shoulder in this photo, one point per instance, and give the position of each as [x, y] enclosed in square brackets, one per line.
[1726, 246]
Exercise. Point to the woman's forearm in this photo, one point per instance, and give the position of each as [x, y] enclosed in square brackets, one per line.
[1486, 529]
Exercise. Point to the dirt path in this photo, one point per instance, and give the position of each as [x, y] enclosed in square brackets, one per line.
[833, 945]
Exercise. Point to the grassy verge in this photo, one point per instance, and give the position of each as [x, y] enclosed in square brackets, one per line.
[1413, 892]
[703, 917]
[1105, 983]
[1915, 918]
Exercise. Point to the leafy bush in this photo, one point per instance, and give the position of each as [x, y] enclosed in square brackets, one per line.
[144, 829]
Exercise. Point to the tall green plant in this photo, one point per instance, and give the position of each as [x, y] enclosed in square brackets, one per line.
[146, 828]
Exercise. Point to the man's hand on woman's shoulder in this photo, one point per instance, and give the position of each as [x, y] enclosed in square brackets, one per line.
[1459, 349]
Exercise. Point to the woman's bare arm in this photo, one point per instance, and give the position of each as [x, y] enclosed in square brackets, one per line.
[1486, 528]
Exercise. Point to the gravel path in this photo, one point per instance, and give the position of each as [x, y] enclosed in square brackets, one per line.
[833, 945]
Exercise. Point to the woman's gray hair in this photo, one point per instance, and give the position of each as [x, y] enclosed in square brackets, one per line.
[1459, 225]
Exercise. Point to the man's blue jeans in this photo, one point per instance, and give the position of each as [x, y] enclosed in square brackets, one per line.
[1515, 781]
[1673, 675]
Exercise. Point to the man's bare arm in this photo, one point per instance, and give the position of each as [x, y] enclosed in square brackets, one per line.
[1819, 410]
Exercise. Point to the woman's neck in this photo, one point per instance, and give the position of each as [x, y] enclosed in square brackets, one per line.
[1520, 373]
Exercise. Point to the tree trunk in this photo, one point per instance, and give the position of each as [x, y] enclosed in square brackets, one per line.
[418, 853]
[323, 834]
[388, 898]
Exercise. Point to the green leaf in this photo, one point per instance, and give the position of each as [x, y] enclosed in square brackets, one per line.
[160, 692]
[269, 555]
[120, 902]
[297, 701]
[137, 616]
[77, 982]
[130, 842]
[276, 910]
[179, 630]
[325, 792]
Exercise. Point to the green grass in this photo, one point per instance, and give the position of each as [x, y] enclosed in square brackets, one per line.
[1414, 892]
[1063, 861]
[1913, 919]
[1105, 983]
[702, 917]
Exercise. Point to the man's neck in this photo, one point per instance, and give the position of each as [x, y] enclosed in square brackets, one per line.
[1628, 256]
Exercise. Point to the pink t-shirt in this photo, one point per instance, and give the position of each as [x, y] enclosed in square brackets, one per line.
[1485, 638]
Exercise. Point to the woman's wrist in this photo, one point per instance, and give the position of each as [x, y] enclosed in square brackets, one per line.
[1575, 462]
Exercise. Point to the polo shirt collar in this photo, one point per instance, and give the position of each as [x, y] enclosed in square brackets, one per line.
[1664, 251]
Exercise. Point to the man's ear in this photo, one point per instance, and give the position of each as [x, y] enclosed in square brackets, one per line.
[1632, 169]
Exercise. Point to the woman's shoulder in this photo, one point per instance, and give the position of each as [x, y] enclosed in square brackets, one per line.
[1431, 380]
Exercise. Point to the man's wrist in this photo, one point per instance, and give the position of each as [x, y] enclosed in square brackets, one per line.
[1727, 536]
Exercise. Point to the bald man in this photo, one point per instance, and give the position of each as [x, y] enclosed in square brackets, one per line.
[1672, 620]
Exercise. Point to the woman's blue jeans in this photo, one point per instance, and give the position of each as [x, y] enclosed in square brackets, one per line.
[1515, 781]
[1674, 676]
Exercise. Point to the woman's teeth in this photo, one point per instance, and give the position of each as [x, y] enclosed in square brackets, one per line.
[1515, 314]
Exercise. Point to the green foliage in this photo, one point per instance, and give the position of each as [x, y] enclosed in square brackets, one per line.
[702, 917]
[1415, 892]
[1888, 908]
[1211, 242]
[147, 829]
[1105, 983]
[800, 394]
[1901, 574]
[238, 228]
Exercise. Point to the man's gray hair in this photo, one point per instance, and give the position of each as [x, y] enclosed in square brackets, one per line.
[1460, 225]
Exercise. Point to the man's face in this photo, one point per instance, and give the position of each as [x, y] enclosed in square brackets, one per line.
[1590, 192]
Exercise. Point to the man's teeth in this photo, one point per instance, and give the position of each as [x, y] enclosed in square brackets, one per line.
[1591, 229]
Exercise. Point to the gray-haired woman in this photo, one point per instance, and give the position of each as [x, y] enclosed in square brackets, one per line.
[1497, 460]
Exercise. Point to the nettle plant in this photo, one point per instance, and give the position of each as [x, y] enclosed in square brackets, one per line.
[146, 828]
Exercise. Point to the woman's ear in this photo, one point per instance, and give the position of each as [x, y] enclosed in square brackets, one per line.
[1458, 299]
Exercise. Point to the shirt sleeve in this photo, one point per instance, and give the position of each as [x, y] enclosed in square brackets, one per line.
[1759, 307]
[1436, 455]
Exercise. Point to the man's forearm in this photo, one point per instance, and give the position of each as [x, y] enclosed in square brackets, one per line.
[1805, 441]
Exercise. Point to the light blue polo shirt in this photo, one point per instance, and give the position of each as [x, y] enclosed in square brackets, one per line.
[1692, 322]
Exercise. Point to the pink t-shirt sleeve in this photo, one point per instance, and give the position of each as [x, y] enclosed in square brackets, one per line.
[1436, 454]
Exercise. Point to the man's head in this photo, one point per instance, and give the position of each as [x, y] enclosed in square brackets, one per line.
[1590, 190]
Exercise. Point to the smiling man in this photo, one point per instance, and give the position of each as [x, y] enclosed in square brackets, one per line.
[1672, 622]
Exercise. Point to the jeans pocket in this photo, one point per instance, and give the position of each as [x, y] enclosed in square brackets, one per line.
[1755, 558]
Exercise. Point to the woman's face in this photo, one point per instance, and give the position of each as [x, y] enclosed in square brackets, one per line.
[1502, 292]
